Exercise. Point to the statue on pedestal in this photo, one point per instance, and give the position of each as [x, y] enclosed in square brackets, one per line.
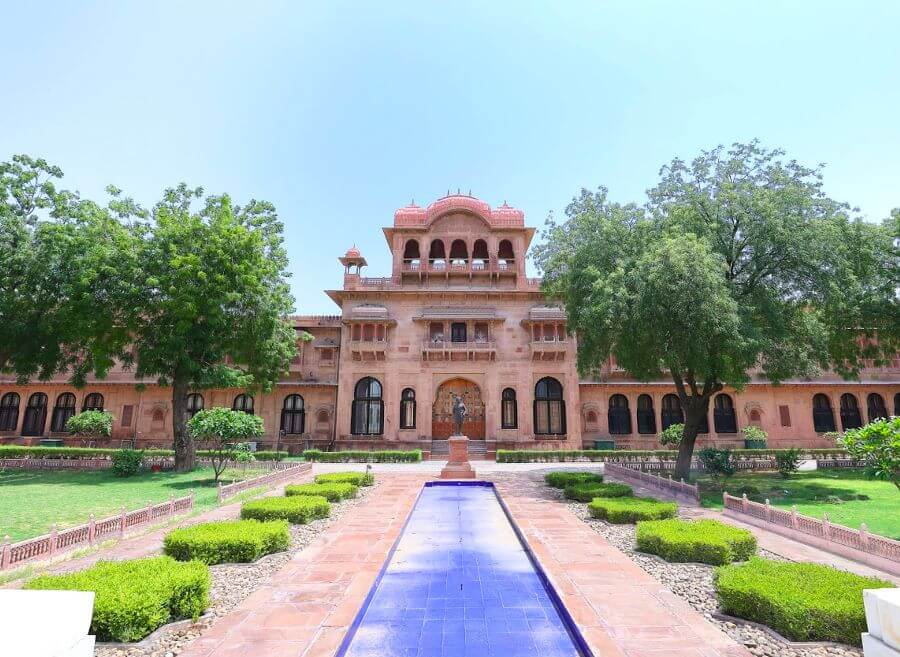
[459, 414]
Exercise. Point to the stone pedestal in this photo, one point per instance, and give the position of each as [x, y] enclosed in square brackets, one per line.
[458, 467]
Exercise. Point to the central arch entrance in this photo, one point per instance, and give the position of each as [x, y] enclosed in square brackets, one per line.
[442, 411]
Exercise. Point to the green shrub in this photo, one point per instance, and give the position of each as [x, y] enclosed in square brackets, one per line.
[630, 455]
[233, 541]
[585, 492]
[787, 461]
[20, 451]
[563, 478]
[127, 462]
[299, 509]
[270, 455]
[90, 424]
[718, 462]
[362, 456]
[331, 492]
[355, 478]
[133, 598]
[621, 510]
[672, 435]
[754, 437]
[701, 541]
[878, 446]
[801, 601]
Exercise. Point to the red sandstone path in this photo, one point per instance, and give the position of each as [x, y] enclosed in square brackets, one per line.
[308, 606]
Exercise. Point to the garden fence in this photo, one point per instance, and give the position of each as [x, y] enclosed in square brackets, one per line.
[94, 531]
[857, 544]
[277, 475]
[100, 463]
[679, 489]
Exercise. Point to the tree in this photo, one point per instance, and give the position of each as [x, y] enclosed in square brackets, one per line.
[210, 300]
[91, 424]
[61, 261]
[878, 446]
[739, 263]
[224, 430]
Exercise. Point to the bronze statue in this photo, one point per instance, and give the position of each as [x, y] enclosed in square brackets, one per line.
[459, 414]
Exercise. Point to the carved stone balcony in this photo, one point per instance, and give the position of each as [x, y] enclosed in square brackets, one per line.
[368, 350]
[449, 350]
[549, 349]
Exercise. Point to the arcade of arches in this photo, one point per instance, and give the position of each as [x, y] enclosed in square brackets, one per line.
[456, 314]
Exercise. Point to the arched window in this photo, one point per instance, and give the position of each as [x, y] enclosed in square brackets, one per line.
[479, 254]
[194, 405]
[897, 404]
[459, 252]
[367, 418]
[62, 411]
[509, 416]
[92, 402]
[408, 409]
[35, 415]
[823, 416]
[436, 254]
[505, 255]
[850, 417]
[549, 408]
[645, 416]
[619, 415]
[9, 411]
[723, 414]
[671, 411]
[243, 402]
[411, 250]
[876, 407]
[293, 415]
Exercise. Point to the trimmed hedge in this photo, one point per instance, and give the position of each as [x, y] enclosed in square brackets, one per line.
[586, 492]
[20, 451]
[298, 510]
[355, 478]
[613, 455]
[362, 456]
[133, 598]
[563, 478]
[331, 492]
[234, 541]
[801, 601]
[622, 510]
[701, 541]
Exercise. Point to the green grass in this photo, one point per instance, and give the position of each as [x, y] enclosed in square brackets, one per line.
[810, 490]
[31, 500]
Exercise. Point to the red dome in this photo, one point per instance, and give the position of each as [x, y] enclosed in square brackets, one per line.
[352, 252]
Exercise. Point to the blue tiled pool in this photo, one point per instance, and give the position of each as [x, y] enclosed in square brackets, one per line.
[460, 583]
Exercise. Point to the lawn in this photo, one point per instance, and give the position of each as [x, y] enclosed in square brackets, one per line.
[32, 500]
[835, 492]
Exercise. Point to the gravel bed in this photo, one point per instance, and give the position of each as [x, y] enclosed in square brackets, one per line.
[232, 583]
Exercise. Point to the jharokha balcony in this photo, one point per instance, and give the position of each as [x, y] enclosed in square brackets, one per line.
[438, 349]
[554, 349]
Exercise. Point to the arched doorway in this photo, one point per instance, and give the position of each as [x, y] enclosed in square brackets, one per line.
[442, 411]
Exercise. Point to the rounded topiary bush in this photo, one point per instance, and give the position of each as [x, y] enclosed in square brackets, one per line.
[702, 541]
[297, 509]
[585, 492]
[621, 510]
[133, 598]
[800, 601]
[355, 478]
[331, 492]
[563, 478]
[234, 541]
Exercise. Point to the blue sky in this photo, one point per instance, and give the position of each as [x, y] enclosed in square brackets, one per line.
[341, 112]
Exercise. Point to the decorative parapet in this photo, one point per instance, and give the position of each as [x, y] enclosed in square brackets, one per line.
[678, 489]
[274, 477]
[857, 544]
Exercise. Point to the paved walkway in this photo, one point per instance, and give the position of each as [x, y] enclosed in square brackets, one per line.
[309, 605]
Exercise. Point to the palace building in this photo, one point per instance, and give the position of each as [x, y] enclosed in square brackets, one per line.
[457, 314]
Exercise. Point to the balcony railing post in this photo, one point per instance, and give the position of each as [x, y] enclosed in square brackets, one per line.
[54, 536]
[122, 522]
[5, 555]
[794, 521]
[92, 527]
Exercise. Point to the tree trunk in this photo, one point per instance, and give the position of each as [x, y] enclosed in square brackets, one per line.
[694, 410]
[185, 450]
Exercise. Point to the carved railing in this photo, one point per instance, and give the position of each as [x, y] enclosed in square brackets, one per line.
[648, 480]
[93, 532]
[268, 479]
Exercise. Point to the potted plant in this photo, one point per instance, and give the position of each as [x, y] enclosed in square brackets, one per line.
[754, 437]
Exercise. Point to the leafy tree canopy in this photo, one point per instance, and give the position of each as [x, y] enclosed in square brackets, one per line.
[91, 424]
[738, 262]
[224, 431]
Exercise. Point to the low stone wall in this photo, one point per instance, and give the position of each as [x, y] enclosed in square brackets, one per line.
[48, 546]
[276, 476]
[857, 544]
[163, 463]
[680, 490]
